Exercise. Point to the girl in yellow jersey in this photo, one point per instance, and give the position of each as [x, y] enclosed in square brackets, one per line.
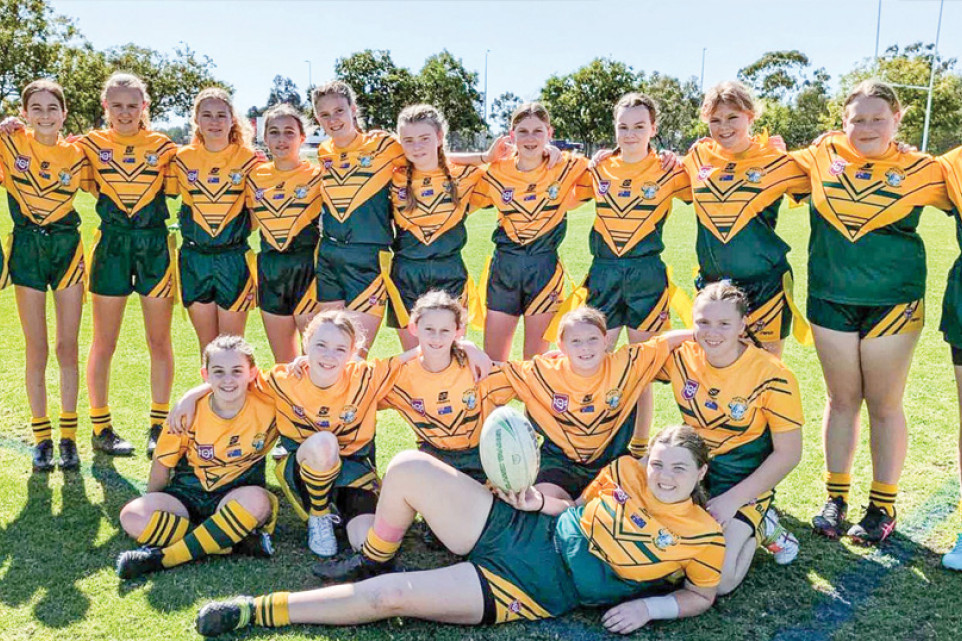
[865, 288]
[211, 475]
[42, 174]
[637, 543]
[746, 405]
[737, 185]
[216, 283]
[526, 277]
[284, 197]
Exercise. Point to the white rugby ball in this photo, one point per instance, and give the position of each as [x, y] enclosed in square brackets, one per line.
[509, 450]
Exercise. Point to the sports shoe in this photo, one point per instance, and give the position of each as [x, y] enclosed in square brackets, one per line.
[953, 560]
[109, 443]
[278, 452]
[43, 456]
[830, 521]
[152, 437]
[874, 527]
[320, 534]
[134, 563]
[777, 540]
[69, 459]
[221, 617]
[353, 567]
[258, 544]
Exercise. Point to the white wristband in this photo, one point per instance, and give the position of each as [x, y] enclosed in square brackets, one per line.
[662, 607]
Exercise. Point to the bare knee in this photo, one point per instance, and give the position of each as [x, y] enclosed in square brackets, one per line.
[254, 500]
[160, 346]
[320, 451]
[885, 408]
[386, 595]
[845, 402]
[133, 518]
[67, 352]
[409, 462]
[728, 584]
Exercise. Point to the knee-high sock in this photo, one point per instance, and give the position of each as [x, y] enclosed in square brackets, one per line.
[223, 530]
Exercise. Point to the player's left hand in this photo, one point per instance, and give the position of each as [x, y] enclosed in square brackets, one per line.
[723, 508]
[553, 154]
[626, 617]
[599, 156]
[777, 142]
[526, 500]
[297, 367]
[669, 159]
[479, 362]
[500, 149]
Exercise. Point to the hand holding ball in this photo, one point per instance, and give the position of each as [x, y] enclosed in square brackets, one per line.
[509, 450]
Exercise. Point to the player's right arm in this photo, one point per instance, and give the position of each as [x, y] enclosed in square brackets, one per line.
[182, 415]
[159, 476]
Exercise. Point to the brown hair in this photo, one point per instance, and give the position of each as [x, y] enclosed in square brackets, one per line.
[724, 290]
[339, 318]
[337, 88]
[530, 109]
[636, 99]
[874, 88]
[588, 315]
[440, 300]
[430, 115]
[240, 130]
[228, 343]
[284, 110]
[733, 94]
[687, 437]
[125, 80]
[38, 86]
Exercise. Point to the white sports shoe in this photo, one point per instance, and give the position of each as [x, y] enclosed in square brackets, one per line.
[320, 534]
[777, 540]
[953, 560]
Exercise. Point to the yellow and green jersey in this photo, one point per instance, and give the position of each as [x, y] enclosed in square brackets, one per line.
[285, 205]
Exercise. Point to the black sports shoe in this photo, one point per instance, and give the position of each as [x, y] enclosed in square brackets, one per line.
[220, 617]
[109, 443]
[69, 459]
[134, 563]
[353, 567]
[831, 520]
[874, 527]
[257, 544]
[152, 439]
[43, 456]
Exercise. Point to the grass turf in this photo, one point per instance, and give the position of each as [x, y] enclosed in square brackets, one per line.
[59, 536]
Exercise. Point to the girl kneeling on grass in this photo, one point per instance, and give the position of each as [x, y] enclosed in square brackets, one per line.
[745, 404]
[531, 556]
[42, 174]
[212, 474]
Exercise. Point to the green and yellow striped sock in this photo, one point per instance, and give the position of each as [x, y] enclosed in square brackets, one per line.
[40, 425]
[158, 413]
[319, 485]
[270, 610]
[164, 529]
[838, 485]
[68, 425]
[377, 549]
[221, 531]
[100, 418]
[883, 495]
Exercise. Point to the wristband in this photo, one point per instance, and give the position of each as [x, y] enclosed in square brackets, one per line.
[543, 499]
[638, 448]
[662, 607]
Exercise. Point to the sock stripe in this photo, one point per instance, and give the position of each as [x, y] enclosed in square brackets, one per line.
[319, 486]
[41, 428]
[271, 610]
[233, 522]
[377, 549]
[68, 425]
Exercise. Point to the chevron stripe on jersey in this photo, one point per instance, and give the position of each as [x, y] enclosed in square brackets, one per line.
[631, 199]
[434, 212]
[354, 174]
[43, 179]
[643, 539]
[857, 195]
[129, 170]
[212, 183]
[530, 203]
[729, 190]
[735, 405]
[284, 203]
[951, 164]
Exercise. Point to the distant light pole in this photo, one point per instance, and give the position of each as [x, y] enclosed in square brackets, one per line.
[484, 115]
[310, 80]
[928, 101]
[878, 29]
[703, 51]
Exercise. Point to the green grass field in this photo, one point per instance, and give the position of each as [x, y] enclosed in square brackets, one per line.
[59, 536]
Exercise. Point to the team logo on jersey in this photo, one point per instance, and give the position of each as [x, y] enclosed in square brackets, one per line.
[64, 177]
[349, 413]
[236, 177]
[515, 606]
[837, 168]
[705, 171]
[894, 177]
[417, 404]
[151, 159]
[234, 440]
[649, 191]
[328, 163]
[690, 389]
[259, 194]
[553, 190]
[364, 161]
[710, 404]
[665, 539]
[443, 397]
[258, 443]
[613, 399]
[402, 193]
[560, 402]
[205, 452]
[604, 186]
[507, 195]
[300, 191]
[620, 496]
[754, 175]
[738, 407]
[663, 315]
[470, 398]
[299, 411]
[106, 155]
[22, 163]
[910, 310]
[192, 176]
[639, 522]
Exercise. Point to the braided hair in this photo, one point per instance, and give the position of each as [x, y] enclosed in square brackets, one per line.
[428, 114]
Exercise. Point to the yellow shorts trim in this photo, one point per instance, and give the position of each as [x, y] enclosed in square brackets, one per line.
[904, 318]
[511, 602]
[549, 299]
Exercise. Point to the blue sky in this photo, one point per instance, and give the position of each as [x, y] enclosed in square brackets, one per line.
[252, 41]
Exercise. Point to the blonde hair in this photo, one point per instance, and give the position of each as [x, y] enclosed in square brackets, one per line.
[229, 343]
[874, 88]
[341, 89]
[125, 80]
[732, 93]
[440, 300]
[724, 290]
[240, 130]
[687, 437]
[428, 114]
[588, 315]
[339, 318]
[530, 109]
[39, 86]
[284, 110]
[636, 99]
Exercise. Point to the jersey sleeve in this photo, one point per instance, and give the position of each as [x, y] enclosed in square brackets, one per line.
[384, 375]
[496, 390]
[585, 188]
[951, 164]
[649, 358]
[804, 158]
[783, 403]
[704, 569]
[171, 184]
[479, 196]
[602, 481]
[170, 447]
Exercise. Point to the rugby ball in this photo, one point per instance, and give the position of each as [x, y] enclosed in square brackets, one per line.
[509, 450]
